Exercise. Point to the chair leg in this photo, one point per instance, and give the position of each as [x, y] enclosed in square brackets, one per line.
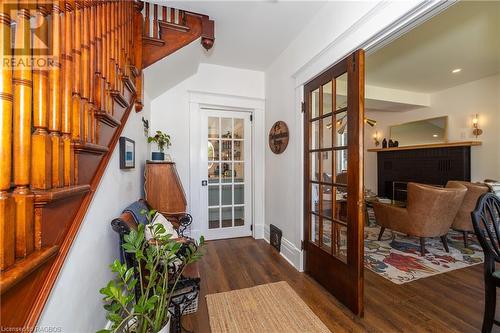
[466, 238]
[382, 229]
[422, 246]
[490, 299]
[444, 240]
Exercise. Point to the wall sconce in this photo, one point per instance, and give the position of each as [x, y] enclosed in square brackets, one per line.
[376, 139]
[475, 124]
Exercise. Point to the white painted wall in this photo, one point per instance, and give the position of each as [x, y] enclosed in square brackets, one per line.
[459, 103]
[172, 113]
[75, 304]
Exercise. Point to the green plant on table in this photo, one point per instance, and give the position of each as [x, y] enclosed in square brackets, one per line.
[151, 279]
[161, 139]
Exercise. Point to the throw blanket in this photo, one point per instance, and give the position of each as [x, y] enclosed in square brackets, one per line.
[135, 209]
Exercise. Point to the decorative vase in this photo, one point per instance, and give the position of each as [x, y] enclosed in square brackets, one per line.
[166, 328]
[384, 143]
[158, 156]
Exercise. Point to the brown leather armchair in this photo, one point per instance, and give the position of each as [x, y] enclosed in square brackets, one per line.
[430, 212]
[463, 220]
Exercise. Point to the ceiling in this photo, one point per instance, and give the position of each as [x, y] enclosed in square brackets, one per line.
[465, 36]
[251, 34]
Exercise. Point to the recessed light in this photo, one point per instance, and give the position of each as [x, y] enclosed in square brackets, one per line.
[435, 135]
[456, 70]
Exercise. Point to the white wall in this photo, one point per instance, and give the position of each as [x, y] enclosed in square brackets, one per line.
[459, 103]
[337, 30]
[170, 113]
[75, 303]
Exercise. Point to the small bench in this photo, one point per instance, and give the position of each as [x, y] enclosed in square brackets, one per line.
[189, 283]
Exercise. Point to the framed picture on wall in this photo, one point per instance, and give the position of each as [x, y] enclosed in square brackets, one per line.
[127, 153]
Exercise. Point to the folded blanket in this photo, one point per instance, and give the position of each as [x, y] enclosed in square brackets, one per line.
[135, 209]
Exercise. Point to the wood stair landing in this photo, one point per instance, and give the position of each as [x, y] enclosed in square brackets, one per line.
[166, 30]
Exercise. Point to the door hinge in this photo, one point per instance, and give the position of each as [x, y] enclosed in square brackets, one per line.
[251, 227]
[303, 107]
[251, 117]
[302, 245]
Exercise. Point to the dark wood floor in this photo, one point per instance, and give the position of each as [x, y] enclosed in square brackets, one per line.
[450, 302]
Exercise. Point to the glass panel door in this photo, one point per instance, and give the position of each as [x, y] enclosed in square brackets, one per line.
[333, 128]
[228, 161]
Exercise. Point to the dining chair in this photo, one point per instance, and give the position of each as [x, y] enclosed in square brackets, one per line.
[486, 223]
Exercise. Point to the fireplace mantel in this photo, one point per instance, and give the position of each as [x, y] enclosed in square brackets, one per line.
[427, 146]
[429, 164]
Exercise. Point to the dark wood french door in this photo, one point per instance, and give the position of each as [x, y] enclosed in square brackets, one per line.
[333, 153]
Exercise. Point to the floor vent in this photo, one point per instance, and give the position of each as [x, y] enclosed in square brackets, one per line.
[275, 237]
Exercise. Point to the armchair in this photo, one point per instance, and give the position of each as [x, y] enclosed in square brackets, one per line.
[463, 220]
[430, 212]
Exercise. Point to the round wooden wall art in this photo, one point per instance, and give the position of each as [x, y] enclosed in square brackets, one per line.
[278, 137]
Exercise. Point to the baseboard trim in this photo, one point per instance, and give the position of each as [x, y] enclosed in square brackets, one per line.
[259, 232]
[290, 252]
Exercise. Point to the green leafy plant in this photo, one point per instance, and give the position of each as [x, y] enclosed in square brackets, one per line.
[161, 139]
[137, 300]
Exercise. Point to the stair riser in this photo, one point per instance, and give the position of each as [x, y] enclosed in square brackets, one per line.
[56, 217]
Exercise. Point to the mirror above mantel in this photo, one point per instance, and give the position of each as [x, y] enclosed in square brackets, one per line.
[421, 132]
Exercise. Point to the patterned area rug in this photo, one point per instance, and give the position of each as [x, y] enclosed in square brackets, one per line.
[397, 257]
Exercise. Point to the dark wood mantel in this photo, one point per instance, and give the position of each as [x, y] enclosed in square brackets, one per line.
[432, 145]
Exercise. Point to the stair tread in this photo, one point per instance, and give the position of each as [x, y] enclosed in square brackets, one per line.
[26, 266]
[153, 41]
[107, 119]
[87, 147]
[46, 196]
[175, 26]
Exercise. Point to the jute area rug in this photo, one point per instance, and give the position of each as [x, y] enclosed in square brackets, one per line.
[269, 308]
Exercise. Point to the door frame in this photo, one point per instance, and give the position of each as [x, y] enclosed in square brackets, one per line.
[256, 106]
[246, 229]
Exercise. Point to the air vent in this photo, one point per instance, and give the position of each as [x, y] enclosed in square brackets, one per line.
[275, 237]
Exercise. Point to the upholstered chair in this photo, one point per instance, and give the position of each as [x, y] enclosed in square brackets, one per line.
[430, 211]
[463, 220]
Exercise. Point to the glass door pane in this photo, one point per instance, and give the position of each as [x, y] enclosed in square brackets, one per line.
[227, 162]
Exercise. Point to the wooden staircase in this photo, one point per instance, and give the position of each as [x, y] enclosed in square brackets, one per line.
[65, 96]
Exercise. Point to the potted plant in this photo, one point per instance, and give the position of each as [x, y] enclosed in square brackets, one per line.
[162, 140]
[137, 300]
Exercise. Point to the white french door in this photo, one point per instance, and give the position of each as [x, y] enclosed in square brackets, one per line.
[226, 170]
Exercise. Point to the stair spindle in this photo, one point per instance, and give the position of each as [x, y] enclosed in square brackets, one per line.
[147, 19]
[76, 130]
[67, 100]
[92, 70]
[7, 204]
[55, 97]
[23, 92]
[41, 172]
[155, 21]
[86, 71]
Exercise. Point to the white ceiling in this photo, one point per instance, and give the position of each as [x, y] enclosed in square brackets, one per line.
[466, 36]
[250, 34]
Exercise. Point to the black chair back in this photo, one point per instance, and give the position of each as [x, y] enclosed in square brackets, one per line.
[486, 220]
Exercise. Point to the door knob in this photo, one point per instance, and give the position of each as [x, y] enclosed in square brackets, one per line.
[204, 183]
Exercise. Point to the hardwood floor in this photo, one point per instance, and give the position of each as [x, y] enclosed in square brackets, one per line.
[450, 302]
